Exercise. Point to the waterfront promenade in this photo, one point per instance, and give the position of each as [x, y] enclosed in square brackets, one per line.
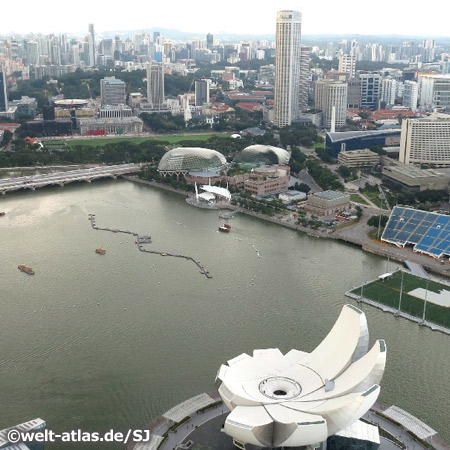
[355, 234]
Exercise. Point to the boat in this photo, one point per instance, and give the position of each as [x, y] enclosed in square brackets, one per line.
[26, 269]
[225, 228]
[100, 251]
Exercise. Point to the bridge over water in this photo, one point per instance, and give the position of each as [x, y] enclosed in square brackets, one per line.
[33, 182]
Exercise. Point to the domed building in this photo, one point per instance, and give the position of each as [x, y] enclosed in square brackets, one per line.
[262, 155]
[182, 160]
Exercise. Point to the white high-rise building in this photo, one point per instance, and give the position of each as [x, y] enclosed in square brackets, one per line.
[410, 95]
[155, 85]
[328, 95]
[347, 63]
[287, 68]
[434, 91]
[92, 61]
[388, 90]
[426, 141]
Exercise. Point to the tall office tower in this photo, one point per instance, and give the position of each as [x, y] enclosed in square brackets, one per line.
[112, 91]
[55, 55]
[331, 95]
[201, 92]
[370, 90]
[388, 90]
[428, 50]
[75, 55]
[410, 95]
[347, 64]
[426, 141]
[354, 93]
[209, 41]
[155, 85]
[156, 35]
[287, 67]
[303, 93]
[3, 90]
[434, 91]
[92, 61]
[32, 52]
[107, 47]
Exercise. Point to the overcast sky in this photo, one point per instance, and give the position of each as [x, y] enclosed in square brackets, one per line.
[243, 17]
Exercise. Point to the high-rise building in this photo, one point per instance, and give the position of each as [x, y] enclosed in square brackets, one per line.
[388, 90]
[287, 67]
[370, 90]
[303, 93]
[92, 61]
[3, 91]
[426, 141]
[331, 95]
[201, 92]
[434, 91]
[155, 85]
[410, 95]
[347, 64]
[209, 41]
[354, 93]
[112, 91]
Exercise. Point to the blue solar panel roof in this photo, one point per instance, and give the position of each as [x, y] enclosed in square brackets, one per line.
[428, 232]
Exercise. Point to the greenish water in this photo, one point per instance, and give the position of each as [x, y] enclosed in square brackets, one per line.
[71, 353]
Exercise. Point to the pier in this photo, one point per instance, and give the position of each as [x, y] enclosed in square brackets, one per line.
[140, 240]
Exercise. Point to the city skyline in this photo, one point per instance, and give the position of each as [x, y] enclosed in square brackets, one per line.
[325, 18]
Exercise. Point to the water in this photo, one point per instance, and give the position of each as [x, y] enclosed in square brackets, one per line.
[71, 353]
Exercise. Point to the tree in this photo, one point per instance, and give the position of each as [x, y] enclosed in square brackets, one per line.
[344, 171]
[374, 221]
[302, 187]
[359, 212]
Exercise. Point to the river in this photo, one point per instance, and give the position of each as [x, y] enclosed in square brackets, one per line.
[99, 342]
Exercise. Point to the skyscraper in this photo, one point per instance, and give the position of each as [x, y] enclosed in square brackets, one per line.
[331, 95]
[209, 41]
[201, 92]
[304, 77]
[155, 85]
[91, 45]
[3, 91]
[287, 69]
[410, 95]
[347, 63]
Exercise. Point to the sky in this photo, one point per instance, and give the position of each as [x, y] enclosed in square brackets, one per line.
[379, 17]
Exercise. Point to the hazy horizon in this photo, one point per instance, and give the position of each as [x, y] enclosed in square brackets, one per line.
[318, 18]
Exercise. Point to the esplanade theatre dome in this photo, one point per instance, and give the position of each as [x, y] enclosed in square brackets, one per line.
[185, 159]
[262, 155]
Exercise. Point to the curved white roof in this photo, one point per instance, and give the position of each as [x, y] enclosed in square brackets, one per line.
[282, 155]
[298, 398]
[191, 158]
[219, 191]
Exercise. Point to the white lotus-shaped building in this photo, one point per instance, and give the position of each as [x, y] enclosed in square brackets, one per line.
[303, 398]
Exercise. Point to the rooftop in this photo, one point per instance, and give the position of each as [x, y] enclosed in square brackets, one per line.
[330, 195]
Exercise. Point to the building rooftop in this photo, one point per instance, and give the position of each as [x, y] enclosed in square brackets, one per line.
[330, 195]
[343, 135]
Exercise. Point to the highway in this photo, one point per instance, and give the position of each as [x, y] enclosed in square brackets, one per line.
[33, 182]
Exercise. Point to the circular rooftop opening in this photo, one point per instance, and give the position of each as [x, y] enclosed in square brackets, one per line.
[280, 388]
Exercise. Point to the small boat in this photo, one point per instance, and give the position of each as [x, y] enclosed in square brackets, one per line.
[100, 251]
[225, 228]
[26, 269]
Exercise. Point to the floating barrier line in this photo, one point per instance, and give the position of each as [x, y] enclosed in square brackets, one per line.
[146, 240]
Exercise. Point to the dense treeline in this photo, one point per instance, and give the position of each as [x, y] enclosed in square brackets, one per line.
[113, 153]
[324, 177]
[300, 135]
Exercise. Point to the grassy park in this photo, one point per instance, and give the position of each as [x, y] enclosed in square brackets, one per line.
[136, 140]
[387, 292]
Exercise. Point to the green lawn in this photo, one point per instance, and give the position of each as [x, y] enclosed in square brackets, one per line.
[387, 292]
[171, 139]
[373, 196]
[358, 199]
